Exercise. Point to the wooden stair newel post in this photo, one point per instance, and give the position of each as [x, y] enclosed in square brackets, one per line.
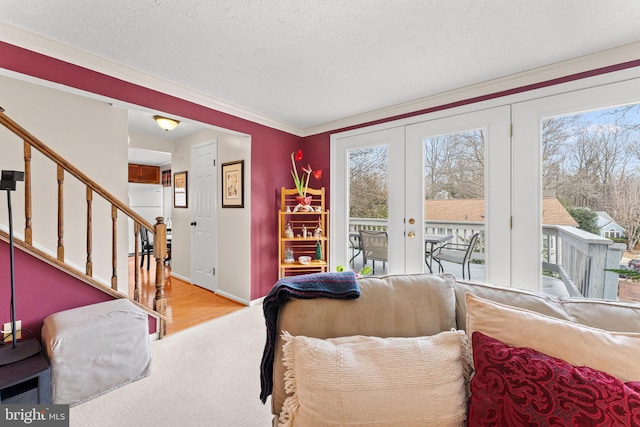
[160, 253]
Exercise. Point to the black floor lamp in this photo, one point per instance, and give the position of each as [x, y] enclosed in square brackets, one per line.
[18, 350]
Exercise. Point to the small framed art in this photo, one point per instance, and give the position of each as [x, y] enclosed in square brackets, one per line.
[233, 184]
[180, 190]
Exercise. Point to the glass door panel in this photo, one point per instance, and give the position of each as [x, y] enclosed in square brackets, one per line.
[447, 179]
[368, 207]
[368, 215]
[454, 202]
[590, 181]
[577, 168]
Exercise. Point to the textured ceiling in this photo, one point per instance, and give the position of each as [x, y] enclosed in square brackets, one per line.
[305, 63]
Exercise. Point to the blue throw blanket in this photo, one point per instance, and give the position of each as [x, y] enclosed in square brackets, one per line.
[319, 285]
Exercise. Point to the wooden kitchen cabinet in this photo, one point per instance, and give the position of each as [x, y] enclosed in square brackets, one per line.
[144, 174]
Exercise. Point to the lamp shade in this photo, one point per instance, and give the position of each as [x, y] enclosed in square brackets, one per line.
[166, 123]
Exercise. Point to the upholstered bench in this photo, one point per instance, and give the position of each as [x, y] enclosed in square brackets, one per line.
[95, 349]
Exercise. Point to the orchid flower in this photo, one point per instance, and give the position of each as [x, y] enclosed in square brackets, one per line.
[302, 184]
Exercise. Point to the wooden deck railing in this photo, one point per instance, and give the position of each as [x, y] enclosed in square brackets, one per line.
[581, 260]
[63, 167]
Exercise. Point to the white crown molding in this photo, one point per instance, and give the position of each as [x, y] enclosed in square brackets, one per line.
[43, 45]
[580, 64]
[34, 42]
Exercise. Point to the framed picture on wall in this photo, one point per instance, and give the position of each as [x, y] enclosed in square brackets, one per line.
[233, 184]
[180, 194]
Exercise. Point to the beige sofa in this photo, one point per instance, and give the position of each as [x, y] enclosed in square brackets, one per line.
[425, 305]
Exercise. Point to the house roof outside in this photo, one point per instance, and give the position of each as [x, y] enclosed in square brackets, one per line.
[607, 223]
[605, 217]
[472, 210]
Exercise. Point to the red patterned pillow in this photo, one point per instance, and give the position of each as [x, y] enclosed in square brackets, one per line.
[522, 387]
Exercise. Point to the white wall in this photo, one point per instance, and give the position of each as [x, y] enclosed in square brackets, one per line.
[149, 142]
[82, 131]
[92, 136]
[234, 225]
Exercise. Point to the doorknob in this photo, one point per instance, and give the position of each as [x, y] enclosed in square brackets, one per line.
[193, 224]
[411, 234]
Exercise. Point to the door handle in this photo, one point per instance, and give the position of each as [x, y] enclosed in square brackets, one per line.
[193, 224]
[411, 234]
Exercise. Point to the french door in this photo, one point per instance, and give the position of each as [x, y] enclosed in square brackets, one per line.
[367, 192]
[573, 146]
[458, 184]
[578, 147]
[411, 165]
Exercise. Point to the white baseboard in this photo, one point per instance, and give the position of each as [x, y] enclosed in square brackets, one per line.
[218, 291]
[183, 278]
[232, 297]
[256, 301]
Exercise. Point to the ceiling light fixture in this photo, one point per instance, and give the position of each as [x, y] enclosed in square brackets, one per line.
[166, 123]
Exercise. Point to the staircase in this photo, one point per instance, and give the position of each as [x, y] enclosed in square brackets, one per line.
[91, 190]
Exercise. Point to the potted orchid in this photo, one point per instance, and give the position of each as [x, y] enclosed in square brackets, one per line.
[302, 182]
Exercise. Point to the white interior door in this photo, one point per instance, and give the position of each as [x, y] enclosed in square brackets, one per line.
[203, 215]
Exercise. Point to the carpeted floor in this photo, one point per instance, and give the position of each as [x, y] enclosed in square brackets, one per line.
[208, 375]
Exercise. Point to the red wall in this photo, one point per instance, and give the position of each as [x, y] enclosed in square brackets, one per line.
[271, 163]
[42, 290]
[270, 148]
[317, 153]
[318, 145]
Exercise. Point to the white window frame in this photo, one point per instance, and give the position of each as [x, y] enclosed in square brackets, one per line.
[524, 216]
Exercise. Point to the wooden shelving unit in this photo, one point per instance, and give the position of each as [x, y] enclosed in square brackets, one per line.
[301, 221]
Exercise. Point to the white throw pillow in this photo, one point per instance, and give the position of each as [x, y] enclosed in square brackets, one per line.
[364, 381]
[615, 353]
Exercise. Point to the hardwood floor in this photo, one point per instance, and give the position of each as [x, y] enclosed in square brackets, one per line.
[187, 304]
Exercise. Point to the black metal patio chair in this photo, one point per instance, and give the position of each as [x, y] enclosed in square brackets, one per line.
[457, 253]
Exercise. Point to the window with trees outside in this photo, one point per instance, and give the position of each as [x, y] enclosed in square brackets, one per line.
[368, 190]
[591, 163]
[555, 174]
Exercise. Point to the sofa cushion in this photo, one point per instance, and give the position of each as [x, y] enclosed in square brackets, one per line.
[611, 352]
[390, 306]
[521, 386]
[364, 381]
[607, 315]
